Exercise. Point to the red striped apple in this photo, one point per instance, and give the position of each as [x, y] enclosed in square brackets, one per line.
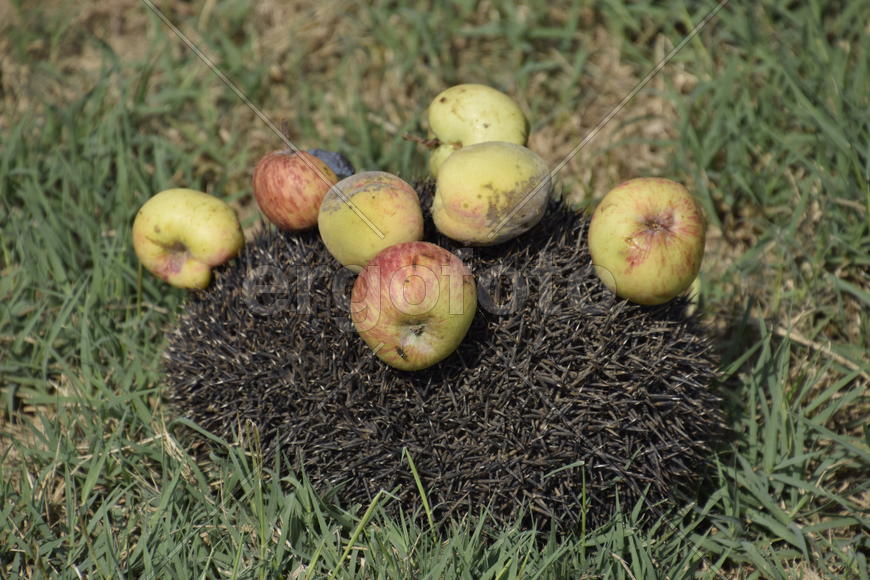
[646, 239]
[180, 234]
[290, 186]
[413, 304]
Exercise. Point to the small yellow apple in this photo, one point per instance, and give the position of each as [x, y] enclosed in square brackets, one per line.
[490, 192]
[472, 113]
[367, 212]
[180, 234]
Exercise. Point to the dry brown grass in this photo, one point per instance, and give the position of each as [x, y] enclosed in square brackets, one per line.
[318, 36]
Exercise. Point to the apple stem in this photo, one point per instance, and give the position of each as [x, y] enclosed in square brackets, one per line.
[428, 143]
[285, 129]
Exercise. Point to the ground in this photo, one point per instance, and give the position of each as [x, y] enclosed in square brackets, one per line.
[762, 115]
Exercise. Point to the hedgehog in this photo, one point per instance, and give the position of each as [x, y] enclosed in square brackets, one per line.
[562, 404]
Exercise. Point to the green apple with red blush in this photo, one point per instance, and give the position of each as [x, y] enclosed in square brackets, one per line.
[646, 239]
[413, 304]
[180, 234]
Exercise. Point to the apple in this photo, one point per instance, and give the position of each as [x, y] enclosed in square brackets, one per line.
[367, 212]
[646, 239]
[289, 187]
[490, 192]
[471, 113]
[180, 234]
[413, 304]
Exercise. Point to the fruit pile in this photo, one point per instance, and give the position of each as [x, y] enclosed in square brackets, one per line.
[413, 301]
[507, 362]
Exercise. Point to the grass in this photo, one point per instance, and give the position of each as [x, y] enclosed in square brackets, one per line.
[763, 115]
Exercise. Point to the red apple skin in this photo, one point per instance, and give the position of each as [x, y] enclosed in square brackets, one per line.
[646, 239]
[413, 304]
[289, 187]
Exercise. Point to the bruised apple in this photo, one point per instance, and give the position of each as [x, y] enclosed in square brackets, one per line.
[488, 193]
[180, 234]
[367, 212]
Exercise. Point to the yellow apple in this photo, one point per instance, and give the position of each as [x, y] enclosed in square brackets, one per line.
[490, 192]
[367, 212]
[646, 239]
[180, 234]
[472, 113]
